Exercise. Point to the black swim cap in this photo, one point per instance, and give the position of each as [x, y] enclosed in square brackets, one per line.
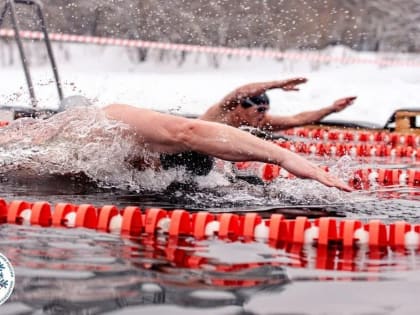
[258, 100]
[195, 163]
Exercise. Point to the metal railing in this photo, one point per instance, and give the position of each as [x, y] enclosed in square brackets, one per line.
[10, 7]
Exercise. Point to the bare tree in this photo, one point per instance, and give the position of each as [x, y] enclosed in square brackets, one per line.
[386, 25]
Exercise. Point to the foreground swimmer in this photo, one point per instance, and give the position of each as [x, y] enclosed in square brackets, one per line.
[178, 139]
[248, 106]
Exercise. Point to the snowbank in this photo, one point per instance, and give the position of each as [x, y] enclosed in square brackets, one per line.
[109, 74]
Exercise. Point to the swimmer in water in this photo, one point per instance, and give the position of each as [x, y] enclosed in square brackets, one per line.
[197, 141]
[80, 139]
[248, 106]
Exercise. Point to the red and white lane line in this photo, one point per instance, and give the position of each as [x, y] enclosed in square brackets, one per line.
[339, 149]
[245, 52]
[132, 222]
[370, 176]
[393, 138]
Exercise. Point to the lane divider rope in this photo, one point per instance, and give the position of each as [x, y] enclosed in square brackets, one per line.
[394, 138]
[337, 149]
[132, 222]
[360, 179]
[244, 52]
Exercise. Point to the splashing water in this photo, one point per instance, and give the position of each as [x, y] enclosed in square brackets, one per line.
[79, 140]
[82, 140]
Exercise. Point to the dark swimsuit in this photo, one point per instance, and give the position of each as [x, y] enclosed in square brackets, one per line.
[196, 163]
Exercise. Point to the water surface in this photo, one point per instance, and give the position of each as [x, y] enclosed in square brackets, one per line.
[78, 271]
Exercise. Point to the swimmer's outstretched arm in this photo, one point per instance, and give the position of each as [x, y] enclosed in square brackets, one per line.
[235, 97]
[276, 123]
[231, 144]
[167, 133]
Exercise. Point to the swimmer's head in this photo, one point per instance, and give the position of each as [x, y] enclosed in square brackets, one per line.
[261, 102]
[252, 110]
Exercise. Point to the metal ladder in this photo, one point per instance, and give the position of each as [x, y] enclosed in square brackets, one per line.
[10, 7]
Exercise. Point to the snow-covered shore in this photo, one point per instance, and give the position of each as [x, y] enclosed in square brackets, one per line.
[107, 74]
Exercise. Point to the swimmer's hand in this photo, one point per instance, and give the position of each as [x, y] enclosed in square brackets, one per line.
[331, 181]
[291, 84]
[342, 103]
[303, 168]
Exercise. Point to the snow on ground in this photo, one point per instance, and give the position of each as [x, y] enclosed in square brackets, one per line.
[106, 75]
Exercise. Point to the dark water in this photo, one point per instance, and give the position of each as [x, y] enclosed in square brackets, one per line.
[64, 271]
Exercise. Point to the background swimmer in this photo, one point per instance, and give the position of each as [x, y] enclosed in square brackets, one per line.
[248, 106]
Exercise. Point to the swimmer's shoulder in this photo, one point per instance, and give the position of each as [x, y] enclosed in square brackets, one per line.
[118, 107]
[126, 112]
[119, 110]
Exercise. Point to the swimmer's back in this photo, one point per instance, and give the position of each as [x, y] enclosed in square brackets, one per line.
[158, 132]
